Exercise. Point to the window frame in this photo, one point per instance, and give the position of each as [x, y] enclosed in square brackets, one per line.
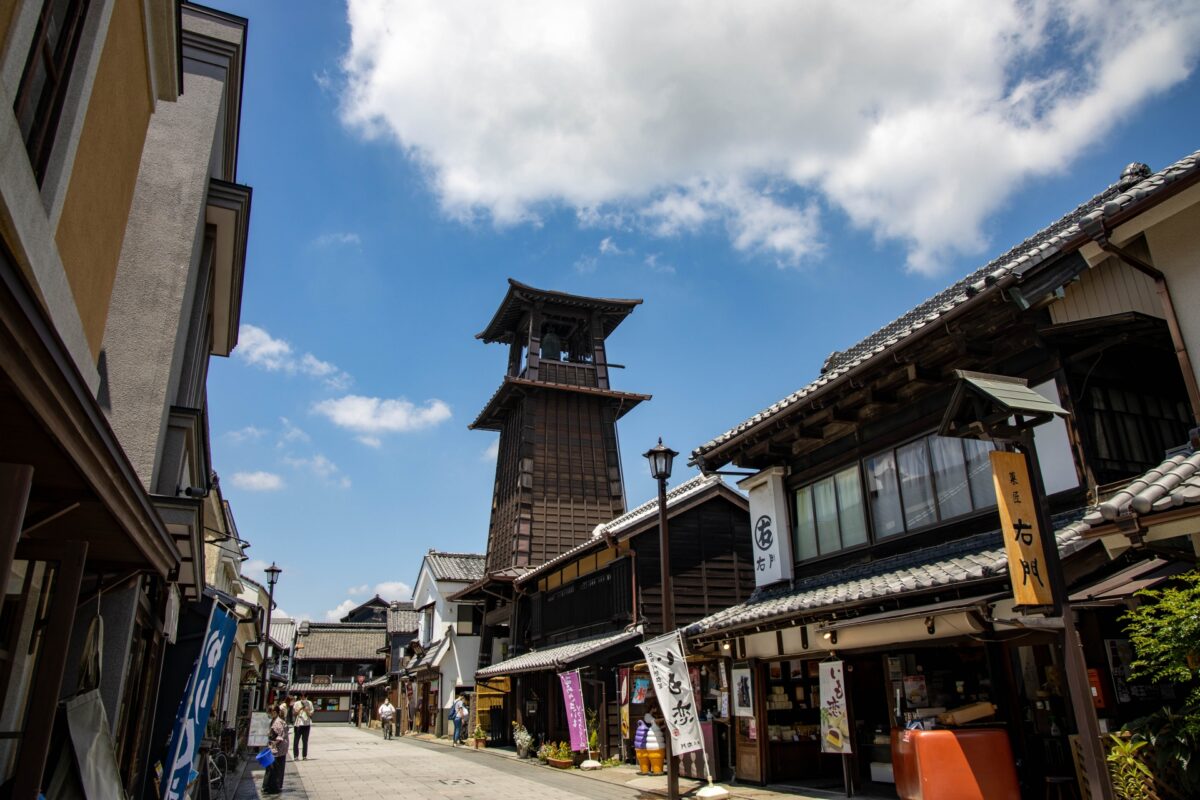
[795, 522]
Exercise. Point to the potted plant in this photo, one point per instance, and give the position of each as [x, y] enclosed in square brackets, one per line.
[1131, 778]
[593, 736]
[480, 738]
[561, 756]
[543, 752]
[523, 739]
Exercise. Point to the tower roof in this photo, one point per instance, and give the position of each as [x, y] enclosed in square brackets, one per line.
[512, 389]
[520, 297]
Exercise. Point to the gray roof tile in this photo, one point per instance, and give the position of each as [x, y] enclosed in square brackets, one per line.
[465, 567]
[1173, 483]
[1028, 254]
[401, 618]
[928, 568]
[557, 656]
[340, 641]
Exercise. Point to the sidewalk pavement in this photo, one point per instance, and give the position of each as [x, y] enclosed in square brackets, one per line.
[627, 775]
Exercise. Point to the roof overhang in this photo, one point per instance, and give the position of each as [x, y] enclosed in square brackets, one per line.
[513, 389]
[184, 518]
[84, 487]
[228, 214]
[520, 296]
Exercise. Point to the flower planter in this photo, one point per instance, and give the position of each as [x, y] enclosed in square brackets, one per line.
[480, 744]
[561, 763]
[594, 755]
[522, 752]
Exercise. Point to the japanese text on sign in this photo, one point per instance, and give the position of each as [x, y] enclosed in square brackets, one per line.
[835, 722]
[673, 686]
[572, 690]
[1022, 538]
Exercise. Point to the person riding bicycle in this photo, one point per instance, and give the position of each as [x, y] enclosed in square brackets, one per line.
[387, 712]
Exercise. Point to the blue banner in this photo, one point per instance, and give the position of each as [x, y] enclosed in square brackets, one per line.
[192, 718]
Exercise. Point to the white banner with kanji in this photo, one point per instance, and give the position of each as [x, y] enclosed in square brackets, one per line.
[673, 686]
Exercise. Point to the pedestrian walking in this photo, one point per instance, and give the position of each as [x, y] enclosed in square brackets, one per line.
[302, 710]
[458, 715]
[277, 740]
[387, 713]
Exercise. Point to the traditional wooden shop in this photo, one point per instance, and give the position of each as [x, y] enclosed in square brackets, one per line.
[588, 608]
[876, 530]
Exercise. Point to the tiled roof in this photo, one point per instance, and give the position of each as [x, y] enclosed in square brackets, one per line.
[338, 687]
[1136, 184]
[684, 491]
[1173, 483]
[465, 567]
[558, 656]
[338, 641]
[958, 562]
[283, 630]
[431, 657]
[401, 618]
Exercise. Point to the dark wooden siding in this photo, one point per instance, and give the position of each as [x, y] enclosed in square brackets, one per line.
[711, 566]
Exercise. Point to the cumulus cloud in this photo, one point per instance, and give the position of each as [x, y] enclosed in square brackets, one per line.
[250, 433]
[291, 434]
[321, 467]
[371, 417]
[915, 120]
[260, 349]
[259, 481]
[357, 590]
[394, 590]
[340, 610]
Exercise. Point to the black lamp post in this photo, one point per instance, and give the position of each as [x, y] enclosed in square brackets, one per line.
[661, 458]
[272, 576]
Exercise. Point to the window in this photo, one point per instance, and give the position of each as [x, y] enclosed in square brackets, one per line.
[830, 515]
[47, 73]
[469, 618]
[427, 625]
[927, 481]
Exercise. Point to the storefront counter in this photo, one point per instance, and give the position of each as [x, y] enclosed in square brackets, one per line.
[959, 764]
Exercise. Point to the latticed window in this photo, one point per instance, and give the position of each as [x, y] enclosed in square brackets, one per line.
[47, 74]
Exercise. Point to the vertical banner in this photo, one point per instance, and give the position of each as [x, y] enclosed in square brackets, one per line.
[192, 718]
[1022, 538]
[673, 686]
[769, 526]
[835, 721]
[623, 696]
[572, 689]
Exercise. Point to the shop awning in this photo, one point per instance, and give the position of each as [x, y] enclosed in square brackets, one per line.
[380, 681]
[336, 687]
[1117, 589]
[560, 656]
[931, 611]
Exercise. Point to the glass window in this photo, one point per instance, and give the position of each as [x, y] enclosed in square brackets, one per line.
[850, 507]
[806, 529]
[950, 476]
[885, 495]
[979, 472]
[916, 488]
[825, 502]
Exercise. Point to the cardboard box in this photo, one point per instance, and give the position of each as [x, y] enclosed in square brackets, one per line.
[967, 713]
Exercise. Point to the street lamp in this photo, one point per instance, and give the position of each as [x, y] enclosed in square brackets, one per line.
[660, 458]
[272, 576]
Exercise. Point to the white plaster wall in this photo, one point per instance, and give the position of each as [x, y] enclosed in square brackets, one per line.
[1175, 249]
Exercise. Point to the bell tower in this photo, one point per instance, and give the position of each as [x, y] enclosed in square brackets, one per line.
[558, 473]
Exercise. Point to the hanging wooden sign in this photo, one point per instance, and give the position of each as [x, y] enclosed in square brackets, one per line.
[1023, 542]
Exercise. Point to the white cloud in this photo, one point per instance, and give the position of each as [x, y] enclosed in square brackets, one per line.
[918, 121]
[291, 434]
[585, 265]
[492, 451]
[655, 265]
[341, 238]
[321, 467]
[255, 570]
[340, 610]
[393, 590]
[358, 590]
[247, 434]
[372, 416]
[257, 481]
[609, 247]
[260, 349]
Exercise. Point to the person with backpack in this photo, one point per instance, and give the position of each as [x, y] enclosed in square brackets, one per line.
[458, 715]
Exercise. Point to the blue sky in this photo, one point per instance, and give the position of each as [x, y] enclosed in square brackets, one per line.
[775, 182]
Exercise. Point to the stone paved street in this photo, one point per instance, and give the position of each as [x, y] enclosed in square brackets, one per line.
[348, 763]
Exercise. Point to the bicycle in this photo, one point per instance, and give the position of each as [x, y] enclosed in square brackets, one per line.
[386, 724]
[217, 767]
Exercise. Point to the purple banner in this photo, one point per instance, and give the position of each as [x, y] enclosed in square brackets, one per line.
[572, 689]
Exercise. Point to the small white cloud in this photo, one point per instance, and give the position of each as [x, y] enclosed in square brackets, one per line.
[321, 467]
[291, 434]
[260, 349]
[255, 570]
[323, 80]
[354, 591]
[585, 265]
[247, 434]
[328, 239]
[492, 451]
[257, 481]
[608, 247]
[372, 416]
[655, 265]
[371, 441]
[340, 610]
[393, 590]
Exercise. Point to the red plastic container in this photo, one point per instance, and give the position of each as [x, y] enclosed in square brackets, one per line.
[966, 764]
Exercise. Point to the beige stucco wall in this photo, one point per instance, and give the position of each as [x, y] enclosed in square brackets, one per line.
[1175, 249]
[92, 226]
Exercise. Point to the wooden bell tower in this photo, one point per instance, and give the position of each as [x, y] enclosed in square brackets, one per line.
[558, 473]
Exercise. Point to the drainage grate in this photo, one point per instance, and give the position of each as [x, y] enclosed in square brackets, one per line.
[456, 781]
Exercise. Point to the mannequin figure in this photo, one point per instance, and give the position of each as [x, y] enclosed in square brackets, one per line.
[648, 743]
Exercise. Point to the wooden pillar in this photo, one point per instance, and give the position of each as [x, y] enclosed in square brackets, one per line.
[15, 483]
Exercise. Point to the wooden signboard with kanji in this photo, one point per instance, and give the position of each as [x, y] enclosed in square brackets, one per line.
[1023, 542]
